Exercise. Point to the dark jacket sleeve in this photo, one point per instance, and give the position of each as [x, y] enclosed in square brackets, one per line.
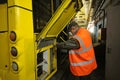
[69, 44]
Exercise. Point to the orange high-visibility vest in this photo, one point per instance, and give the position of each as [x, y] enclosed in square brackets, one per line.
[82, 60]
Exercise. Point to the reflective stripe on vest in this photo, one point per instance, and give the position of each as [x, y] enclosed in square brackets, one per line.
[83, 63]
[83, 46]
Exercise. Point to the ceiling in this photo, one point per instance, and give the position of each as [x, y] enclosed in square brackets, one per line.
[82, 16]
[88, 9]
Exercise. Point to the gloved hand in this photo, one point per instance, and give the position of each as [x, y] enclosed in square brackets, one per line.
[60, 45]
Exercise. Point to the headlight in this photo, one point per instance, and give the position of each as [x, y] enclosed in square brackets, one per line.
[12, 36]
[14, 66]
[14, 51]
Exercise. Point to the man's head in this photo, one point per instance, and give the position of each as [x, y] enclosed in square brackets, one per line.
[73, 27]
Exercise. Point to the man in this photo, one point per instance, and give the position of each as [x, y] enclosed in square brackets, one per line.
[81, 52]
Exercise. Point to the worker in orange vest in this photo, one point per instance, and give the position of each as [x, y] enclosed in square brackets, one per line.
[81, 53]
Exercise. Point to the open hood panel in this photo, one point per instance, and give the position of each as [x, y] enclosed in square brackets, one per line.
[60, 19]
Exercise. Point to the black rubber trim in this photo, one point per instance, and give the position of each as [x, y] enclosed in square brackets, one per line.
[20, 7]
[3, 31]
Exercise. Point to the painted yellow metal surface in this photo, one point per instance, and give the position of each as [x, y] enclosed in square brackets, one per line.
[60, 19]
[50, 63]
[16, 16]
[20, 21]
[51, 74]
[4, 56]
[44, 48]
[22, 3]
[53, 63]
[4, 49]
[56, 24]
[3, 17]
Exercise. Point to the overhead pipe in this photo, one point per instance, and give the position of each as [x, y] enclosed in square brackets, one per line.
[98, 9]
[106, 4]
[101, 10]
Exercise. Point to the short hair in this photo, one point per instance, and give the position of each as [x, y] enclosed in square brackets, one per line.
[73, 23]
